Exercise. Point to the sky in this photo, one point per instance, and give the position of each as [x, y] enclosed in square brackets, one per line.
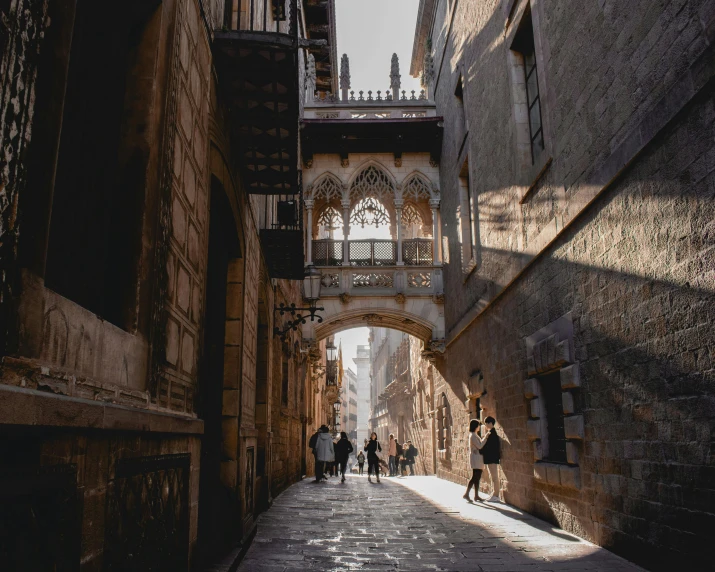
[351, 339]
[369, 32]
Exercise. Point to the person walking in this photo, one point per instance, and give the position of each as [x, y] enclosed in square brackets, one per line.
[475, 459]
[324, 452]
[343, 448]
[491, 453]
[392, 452]
[373, 461]
[361, 461]
[410, 454]
[313, 443]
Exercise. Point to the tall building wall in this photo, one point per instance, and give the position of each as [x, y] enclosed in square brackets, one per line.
[586, 294]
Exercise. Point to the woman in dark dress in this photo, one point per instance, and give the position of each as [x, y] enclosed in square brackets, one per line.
[373, 462]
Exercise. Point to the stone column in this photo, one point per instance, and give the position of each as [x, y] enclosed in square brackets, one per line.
[309, 250]
[346, 232]
[344, 77]
[436, 232]
[395, 77]
[398, 220]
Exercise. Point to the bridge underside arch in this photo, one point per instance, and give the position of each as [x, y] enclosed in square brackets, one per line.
[421, 318]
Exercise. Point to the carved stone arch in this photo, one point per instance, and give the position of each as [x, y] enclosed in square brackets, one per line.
[383, 317]
[365, 180]
[328, 187]
[417, 187]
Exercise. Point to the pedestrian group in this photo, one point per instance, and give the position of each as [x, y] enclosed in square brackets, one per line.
[332, 457]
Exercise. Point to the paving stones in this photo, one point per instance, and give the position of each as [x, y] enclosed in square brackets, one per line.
[410, 524]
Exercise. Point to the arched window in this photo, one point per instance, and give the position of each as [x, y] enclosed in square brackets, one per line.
[416, 188]
[412, 222]
[369, 212]
[328, 187]
[329, 221]
[372, 182]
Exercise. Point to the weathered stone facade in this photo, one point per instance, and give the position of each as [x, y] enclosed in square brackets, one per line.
[136, 328]
[592, 259]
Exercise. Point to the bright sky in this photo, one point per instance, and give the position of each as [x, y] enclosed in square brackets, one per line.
[351, 339]
[369, 32]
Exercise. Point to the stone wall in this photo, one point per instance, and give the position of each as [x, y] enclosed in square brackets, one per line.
[609, 232]
[107, 402]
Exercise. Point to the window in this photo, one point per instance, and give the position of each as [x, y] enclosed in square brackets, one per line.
[553, 409]
[524, 44]
[460, 127]
[94, 241]
[467, 228]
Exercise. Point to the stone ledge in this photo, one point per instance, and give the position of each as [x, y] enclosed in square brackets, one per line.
[557, 474]
[21, 406]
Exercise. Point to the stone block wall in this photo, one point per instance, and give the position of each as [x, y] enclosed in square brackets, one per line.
[610, 230]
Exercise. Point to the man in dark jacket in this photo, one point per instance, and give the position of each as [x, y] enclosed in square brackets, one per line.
[343, 448]
[410, 454]
[491, 452]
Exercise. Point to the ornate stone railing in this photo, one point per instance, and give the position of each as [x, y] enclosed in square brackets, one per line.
[369, 109]
[382, 281]
[373, 252]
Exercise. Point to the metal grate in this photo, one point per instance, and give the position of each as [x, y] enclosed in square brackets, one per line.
[373, 253]
[417, 252]
[328, 252]
[148, 515]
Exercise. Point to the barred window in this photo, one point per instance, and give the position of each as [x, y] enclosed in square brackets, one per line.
[524, 44]
[553, 407]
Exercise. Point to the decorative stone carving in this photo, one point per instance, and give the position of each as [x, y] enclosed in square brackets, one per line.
[344, 162]
[437, 346]
[438, 298]
[395, 73]
[398, 162]
[345, 298]
[428, 66]
[310, 78]
[345, 72]
[400, 298]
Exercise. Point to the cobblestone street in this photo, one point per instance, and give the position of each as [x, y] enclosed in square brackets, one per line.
[414, 523]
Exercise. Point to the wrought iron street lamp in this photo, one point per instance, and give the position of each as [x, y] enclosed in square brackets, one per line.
[311, 292]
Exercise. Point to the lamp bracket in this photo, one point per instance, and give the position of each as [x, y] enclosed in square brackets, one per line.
[298, 317]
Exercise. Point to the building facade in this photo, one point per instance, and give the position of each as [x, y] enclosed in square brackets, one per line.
[139, 277]
[350, 404]
[577, 200]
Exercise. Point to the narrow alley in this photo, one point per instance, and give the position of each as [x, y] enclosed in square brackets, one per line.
[413, 523]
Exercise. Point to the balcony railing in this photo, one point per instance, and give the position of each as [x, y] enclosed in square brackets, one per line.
[373, 252]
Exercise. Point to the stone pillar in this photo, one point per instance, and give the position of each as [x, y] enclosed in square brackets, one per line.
[346, 232]
[436, 232]
[309, 250]
[398, 221]
[395, 77]
[344, 77]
